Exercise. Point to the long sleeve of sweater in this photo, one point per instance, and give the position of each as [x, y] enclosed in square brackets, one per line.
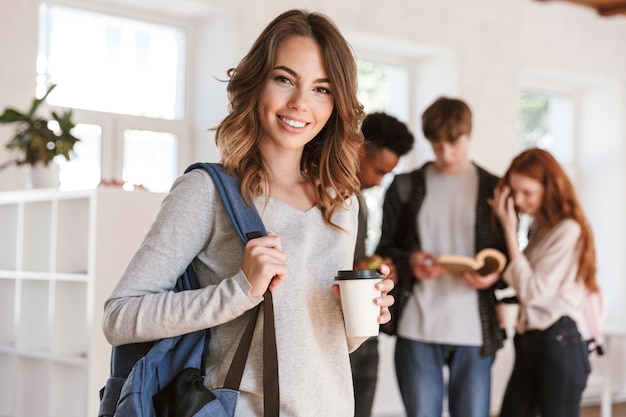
[544, 277]
[141, 307]
[193, 225]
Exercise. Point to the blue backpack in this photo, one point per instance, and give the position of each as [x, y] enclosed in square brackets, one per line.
[165, 378]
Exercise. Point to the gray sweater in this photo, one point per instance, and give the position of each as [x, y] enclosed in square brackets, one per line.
[192, 224]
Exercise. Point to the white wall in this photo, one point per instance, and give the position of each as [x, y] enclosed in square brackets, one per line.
[482, 51]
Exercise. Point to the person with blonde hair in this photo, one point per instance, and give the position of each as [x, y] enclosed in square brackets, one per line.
[291, 137]
[550, 277]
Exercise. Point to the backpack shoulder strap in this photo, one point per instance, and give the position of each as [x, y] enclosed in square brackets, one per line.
[245, 218]
[248, 225]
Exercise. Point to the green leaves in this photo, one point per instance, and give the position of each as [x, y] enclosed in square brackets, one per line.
[34, 137]
[12, 115]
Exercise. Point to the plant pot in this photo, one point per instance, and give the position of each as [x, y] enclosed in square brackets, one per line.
[42, 176]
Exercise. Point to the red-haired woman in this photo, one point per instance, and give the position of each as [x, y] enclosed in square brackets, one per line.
[549, 277]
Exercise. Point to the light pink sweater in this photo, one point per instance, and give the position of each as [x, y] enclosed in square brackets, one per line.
[544, 278]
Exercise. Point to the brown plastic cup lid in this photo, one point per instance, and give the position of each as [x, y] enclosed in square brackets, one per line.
[359, 274]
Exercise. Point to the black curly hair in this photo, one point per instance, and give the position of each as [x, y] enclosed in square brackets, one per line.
[381, 130]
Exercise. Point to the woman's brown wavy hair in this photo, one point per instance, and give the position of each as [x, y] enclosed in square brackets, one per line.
[330, 159]
[559, 202]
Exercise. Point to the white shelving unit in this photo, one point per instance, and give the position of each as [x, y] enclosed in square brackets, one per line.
[61, 254]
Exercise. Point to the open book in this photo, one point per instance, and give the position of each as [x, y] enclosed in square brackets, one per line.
[487, 261]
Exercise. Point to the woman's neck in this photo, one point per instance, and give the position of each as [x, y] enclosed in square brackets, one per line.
[287, 183]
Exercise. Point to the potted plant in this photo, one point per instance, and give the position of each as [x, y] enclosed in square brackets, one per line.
[33, 137]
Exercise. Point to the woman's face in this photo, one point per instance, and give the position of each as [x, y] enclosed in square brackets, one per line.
[527, 193]
[297, 99]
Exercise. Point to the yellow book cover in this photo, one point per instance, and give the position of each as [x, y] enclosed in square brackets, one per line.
[486, 261]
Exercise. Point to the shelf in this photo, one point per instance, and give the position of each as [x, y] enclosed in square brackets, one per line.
[34, 310]
[77, 360]
[37, 227]
[72, 236]
[42, 276]
[69, 327]
[32, 393]
[61, 254]
[7, 312]
[68, 391]
[8, 237]
[8, 364]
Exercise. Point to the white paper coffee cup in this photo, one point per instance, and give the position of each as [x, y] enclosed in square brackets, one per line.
[358, 291]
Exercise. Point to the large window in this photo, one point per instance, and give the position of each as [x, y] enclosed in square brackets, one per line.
[578, 118]
[124, 79]
[382, 88]
[547, 122]
[84, 170]
[110, 63]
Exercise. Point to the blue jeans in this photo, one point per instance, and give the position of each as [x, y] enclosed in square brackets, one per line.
[419, 369]
[550, 373]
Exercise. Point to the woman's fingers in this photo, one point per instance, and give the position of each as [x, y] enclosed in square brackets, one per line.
[385, 300]
[264, 264]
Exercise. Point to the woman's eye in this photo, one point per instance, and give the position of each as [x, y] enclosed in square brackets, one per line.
[282, 79]
[322, 90]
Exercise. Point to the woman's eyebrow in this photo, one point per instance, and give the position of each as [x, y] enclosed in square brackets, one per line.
[293, 73]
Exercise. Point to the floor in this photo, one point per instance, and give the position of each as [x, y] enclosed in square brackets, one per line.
[619, 410]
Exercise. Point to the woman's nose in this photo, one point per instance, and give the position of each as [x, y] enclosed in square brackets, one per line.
[298, 99]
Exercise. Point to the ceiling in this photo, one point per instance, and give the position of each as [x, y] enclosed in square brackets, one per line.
[602, 7]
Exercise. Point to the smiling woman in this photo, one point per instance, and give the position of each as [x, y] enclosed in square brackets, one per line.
[329, 152]
[294, 106]
[291, 137]
[296, 101]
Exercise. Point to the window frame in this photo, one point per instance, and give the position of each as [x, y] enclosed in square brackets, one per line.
[114, 124]
[374, 196]
[571, 166]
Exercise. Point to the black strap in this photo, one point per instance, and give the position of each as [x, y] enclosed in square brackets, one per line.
[235, 372]
[271, 399]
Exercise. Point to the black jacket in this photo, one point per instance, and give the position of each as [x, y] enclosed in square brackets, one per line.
[399, 238]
